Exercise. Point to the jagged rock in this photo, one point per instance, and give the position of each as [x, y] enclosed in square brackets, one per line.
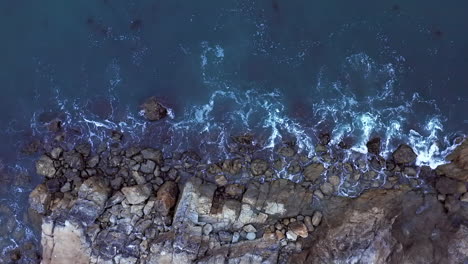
[166, 197]
[258, 167]
[246, 139]
[148, 167]
[221, 180]
[45, 166]
[290, 235]
[234, 190]
[458, 167]
[137, 194]
[92, 198]
[373, 146]
[153, 110]
[313, 171]
[155, 155]
[232, 166]
[84, 149]
[64, 244]
[74, 160]
[249, 229]
[39, 199]
[404, 154]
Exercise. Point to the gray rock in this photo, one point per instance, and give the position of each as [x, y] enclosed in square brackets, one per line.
[249, 229]
[148, 167]
[207, 229]
[138, 193]
[45, 166]
[155, 155]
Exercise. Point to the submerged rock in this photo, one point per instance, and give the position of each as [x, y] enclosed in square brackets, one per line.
[258, 167]
[153, 110]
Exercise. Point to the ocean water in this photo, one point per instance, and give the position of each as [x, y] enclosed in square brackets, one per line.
[282, 70]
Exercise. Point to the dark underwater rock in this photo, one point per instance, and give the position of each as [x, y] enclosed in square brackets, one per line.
[153, 110]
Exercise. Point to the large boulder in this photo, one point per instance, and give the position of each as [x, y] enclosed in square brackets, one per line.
[92, 197]
[64, 243]
[404, 154]
[166, 197]
[313, 171]
[45, 166]
[153, 110]
[373, 146]
[39, 199]
[138, 193]
[155, 155]
[458, 166]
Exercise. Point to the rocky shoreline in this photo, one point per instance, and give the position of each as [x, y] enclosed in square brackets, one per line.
[127, 205]
[139, 205]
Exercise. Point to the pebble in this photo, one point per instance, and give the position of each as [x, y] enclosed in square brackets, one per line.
[334, 180]
[251, 236]
[278, 226]
[464, 197]
[326, 188]
[441, 197]
[308, 223]
[318, 194]
[221, 180]
[249, 229]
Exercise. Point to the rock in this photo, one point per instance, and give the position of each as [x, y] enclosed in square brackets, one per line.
[246, 139]
[66, 187]
[308, 223]
[235, 237]
[166, 197]
[234, 190]
[39, 199]
[334, 180]
[225, 236]
[324, 138]
[45, 166]
[93, 161]
[404, 154]
[326, 188]
[317, 218]
[155, 155]
[56, 153]
[251, 236]
[84, 149]
[464, 197]
[92, 198]
[313, 171]
[287, 151]
[249, 229]
[290, 235]
[221, 180]
[319, 194]
[320, 148]
[299, 228]
[153, 110]
[207, 229]
[373, 146]
[137, 194]
[258, 167]
[64, 244]
[148, 167]
[74, 160]
[448, 186]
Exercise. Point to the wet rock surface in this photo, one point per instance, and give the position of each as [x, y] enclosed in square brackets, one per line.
[153, 110]
[140, 205]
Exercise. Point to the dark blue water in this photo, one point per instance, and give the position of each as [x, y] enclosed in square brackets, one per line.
[280, 69]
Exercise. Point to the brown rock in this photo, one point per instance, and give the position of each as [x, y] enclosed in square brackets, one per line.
[258, 167]
[404, 154]
[299, 228]
[314, 171]
[153, 110]
[166, 197]
[39, 199]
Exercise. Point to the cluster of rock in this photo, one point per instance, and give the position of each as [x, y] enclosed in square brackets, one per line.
[139, 205]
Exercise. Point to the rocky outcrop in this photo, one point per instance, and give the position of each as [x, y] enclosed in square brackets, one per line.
[140, 205]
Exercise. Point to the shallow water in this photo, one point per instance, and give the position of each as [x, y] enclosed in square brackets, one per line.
[281, 70]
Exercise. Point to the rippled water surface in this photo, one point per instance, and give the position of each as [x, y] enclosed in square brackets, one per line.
[283, 70]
